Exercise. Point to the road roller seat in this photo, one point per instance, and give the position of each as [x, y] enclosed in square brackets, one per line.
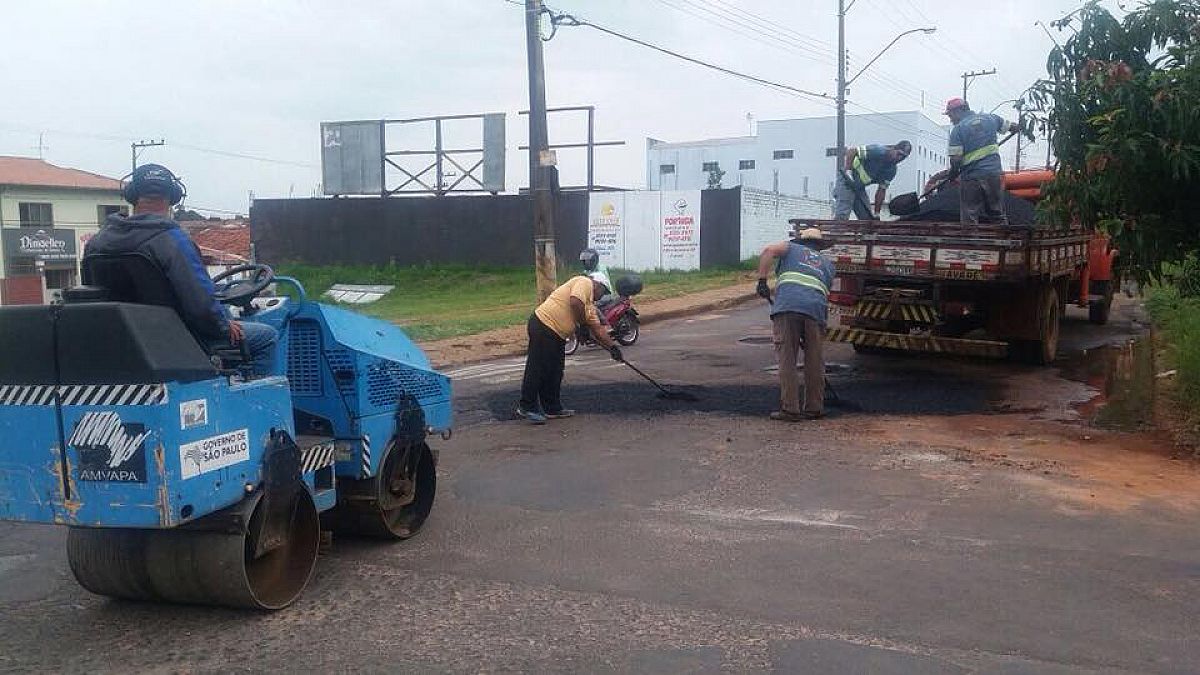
[134, 277]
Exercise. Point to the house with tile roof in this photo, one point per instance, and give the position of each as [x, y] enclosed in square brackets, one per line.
[47, 214]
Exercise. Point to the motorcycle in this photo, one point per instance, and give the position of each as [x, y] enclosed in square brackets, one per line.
[621, 319]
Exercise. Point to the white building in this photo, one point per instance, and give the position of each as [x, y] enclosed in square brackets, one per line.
[47, 214]
[790, 156]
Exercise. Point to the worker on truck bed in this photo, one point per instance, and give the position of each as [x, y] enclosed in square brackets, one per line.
[569, 306]
[799, 312]
[867, 165]
[975, 157]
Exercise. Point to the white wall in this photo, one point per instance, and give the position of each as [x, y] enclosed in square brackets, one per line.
[810, 172]
[765, 217]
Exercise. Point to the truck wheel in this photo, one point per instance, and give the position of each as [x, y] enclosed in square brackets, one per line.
[1043, 350]
[1098, 310]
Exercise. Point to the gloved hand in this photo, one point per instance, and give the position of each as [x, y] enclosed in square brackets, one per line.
[616, 353]
[763, 290]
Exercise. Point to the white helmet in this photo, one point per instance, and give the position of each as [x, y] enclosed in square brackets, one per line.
[601, 277]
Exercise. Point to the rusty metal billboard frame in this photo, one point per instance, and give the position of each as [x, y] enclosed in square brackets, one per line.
[591, 143]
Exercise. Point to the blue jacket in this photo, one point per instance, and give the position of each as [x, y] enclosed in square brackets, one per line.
[872, 165]
[974, 139]
[177, 256]
[803, 282]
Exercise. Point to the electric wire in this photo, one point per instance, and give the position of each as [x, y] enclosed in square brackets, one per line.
[793, 42]
[570, 20]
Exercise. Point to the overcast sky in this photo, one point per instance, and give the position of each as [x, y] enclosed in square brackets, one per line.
[218, 79]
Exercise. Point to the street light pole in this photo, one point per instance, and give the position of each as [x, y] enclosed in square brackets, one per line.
[539, 157]
[843, 83]
[896, 39]
[841, 89]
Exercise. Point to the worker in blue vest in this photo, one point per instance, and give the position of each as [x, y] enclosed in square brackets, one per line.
[867, 165]
[975, 157]
[799, 312]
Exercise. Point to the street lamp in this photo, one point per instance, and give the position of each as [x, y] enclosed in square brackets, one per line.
[1011, 100]
[896, 39]
[843, 83]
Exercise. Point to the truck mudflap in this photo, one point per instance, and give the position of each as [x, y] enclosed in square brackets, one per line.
[918, 343]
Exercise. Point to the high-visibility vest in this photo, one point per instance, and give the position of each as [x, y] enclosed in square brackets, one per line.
[979, 153]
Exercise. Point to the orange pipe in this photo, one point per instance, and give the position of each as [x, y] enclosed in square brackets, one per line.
[1032, 193]
[1027, 179]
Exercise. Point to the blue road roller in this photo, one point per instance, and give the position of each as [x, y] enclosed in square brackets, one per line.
[179, 476]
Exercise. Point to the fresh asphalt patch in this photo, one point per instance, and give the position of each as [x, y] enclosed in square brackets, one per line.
[897, 392]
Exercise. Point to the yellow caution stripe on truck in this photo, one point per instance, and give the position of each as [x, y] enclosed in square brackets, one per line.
[885, 310]
[917, 343]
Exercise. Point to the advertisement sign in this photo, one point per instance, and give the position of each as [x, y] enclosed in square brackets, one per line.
[680, 230]
[606, 235]
[44, 244]
[642, 231]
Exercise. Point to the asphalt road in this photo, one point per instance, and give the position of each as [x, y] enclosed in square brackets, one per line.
[949, 516]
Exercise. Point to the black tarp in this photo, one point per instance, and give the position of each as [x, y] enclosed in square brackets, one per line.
[943, 206]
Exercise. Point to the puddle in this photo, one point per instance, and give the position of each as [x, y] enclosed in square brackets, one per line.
[1123, 375]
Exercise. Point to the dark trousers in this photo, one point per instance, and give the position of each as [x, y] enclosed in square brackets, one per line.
[982, 200]
[542, 384]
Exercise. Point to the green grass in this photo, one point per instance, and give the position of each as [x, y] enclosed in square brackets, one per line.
[1178, 319]
[433, 302]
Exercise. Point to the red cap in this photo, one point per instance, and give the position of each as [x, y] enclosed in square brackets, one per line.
[953, 104]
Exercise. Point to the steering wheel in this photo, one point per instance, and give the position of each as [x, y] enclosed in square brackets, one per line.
[238, 286]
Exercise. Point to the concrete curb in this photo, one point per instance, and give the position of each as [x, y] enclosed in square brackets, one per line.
[713, 306]
[518, 348]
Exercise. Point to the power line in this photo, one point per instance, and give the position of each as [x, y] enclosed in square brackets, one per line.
[569, 20]
[196, 148]
[750, 32]
[779, 39]
[773, 25]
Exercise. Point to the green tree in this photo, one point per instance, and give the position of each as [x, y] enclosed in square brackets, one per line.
[1122, 104]
[715, 177]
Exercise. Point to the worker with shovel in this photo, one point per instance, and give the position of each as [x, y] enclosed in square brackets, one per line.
[798, 313]
[571, 305]
[975, 159]
[867, 165]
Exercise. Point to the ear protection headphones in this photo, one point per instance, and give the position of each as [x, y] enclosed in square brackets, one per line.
[153, 179]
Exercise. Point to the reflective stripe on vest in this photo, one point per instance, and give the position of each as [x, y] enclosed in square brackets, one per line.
[863, 176]
[804, 280]
[976, 155]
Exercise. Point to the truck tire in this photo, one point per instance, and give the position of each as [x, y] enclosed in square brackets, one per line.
[1098, 310]
[1043, 350]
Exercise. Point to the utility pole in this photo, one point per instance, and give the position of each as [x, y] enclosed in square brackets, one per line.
[41, 146]
[134, 147]
[841, 95]
[968, 77]
[540, 158]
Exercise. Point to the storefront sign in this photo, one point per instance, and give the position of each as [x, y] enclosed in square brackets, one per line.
[40, 244]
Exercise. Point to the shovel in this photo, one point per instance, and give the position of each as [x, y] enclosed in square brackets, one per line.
[858, 194]
[909, 203]
[664, 392]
